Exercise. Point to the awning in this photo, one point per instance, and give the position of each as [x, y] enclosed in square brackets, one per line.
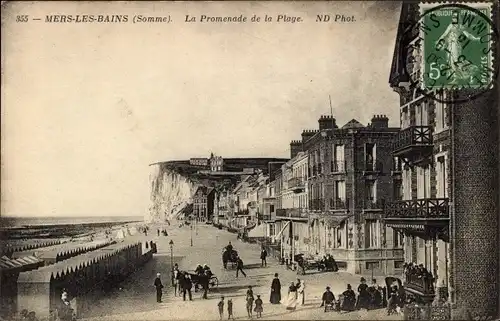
[282, 229]
[258, 231]
[335, 220]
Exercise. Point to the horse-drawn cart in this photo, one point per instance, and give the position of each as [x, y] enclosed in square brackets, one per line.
[229, 257]
[211, 280]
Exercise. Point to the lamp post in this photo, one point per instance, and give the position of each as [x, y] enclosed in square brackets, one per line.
[172, 261]
[191, 234]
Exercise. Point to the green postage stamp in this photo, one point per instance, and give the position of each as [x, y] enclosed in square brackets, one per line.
[457, 46]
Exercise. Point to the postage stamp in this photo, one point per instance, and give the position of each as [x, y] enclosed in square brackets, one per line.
[457, 43]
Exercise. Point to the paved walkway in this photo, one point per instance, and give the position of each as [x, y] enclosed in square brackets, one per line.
[136, 300]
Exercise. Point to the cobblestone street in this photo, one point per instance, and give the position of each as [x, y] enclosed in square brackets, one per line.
[137, 300]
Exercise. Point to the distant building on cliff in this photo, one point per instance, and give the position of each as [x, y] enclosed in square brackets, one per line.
[216, 163]
[203, 203]
[199, 162]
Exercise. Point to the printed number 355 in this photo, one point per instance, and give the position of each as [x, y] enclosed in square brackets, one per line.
[23, 18]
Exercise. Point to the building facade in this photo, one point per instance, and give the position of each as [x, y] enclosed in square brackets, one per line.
[291, 223]
[350, 177]
[203, 203]
[216, 163]
[449, 210]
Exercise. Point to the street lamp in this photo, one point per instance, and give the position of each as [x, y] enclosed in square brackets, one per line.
[172, 261]
[191, 233]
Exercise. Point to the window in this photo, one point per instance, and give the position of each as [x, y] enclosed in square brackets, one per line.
[271, 208]
[272, 229]
[340, 190]
[398, 240]
[371, 191]
[441, 123]
[423, 182]
[421, 114]
[407, 184]
[371, 234]
[405, 118]
[441, 177]
[397, 190]
[398, 264]
[338, 158]
[370, 156]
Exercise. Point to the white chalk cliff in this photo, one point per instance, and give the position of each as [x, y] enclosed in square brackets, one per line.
[170, 193]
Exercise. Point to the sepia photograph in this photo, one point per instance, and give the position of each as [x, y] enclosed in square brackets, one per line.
[238, 160]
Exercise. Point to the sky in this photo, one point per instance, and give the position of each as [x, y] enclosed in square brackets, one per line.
[87, 107]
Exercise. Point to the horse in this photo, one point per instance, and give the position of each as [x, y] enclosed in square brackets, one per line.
[229, 257]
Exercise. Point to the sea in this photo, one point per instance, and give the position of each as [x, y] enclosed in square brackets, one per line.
[10, 222]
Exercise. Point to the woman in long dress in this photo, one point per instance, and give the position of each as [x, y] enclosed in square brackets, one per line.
[275, 290]
[291, 300]
[301, 295]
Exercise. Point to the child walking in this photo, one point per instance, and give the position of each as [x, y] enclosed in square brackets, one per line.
[230, 309]
[258, 307]
[221, 307]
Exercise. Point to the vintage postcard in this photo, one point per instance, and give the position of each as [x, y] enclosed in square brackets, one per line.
[274, 160]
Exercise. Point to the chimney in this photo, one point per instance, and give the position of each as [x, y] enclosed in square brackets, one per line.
[295, 148]
[326, 122]
[307, 134]
[380, 121]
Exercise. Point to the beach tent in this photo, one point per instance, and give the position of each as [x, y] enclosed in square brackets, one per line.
[120, 234]
[133, 230]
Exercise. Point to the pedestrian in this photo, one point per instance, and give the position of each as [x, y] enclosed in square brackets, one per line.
[364, 295]
[250, 300]
[230, 309]
[291, 301]
[263, 256]
[328, 299]
[301, 295]
[187, 285]
[204, 280]
[158, 230]
[220, 305]
[239, 267]
[275, 290]
[176, 279]
[159, 286]
[258, 306]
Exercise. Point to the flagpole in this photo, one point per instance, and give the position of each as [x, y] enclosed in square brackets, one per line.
[331, 111]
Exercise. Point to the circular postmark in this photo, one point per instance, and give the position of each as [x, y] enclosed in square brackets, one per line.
[451, 48]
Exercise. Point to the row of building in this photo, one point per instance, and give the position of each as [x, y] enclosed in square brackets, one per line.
[376, 197]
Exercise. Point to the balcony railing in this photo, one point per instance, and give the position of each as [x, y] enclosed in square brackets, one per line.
[296, 183]
[242, 212]
[419, 208]
[371, 204]
[317, 204]
[338, 166]
[413, 136]
[291, 212]
[340, 204]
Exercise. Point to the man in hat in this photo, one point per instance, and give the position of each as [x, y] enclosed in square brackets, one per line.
[159, 286]
[327, 299]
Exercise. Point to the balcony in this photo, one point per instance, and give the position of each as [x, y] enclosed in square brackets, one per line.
[291, 213]
[317, 205]
[428, 216]
[296, 184]
[370, 204]
[339, 204]
[241, 213]
[413, 144]
[338, 166]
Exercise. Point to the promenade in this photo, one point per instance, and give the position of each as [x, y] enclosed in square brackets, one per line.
[136, 299]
